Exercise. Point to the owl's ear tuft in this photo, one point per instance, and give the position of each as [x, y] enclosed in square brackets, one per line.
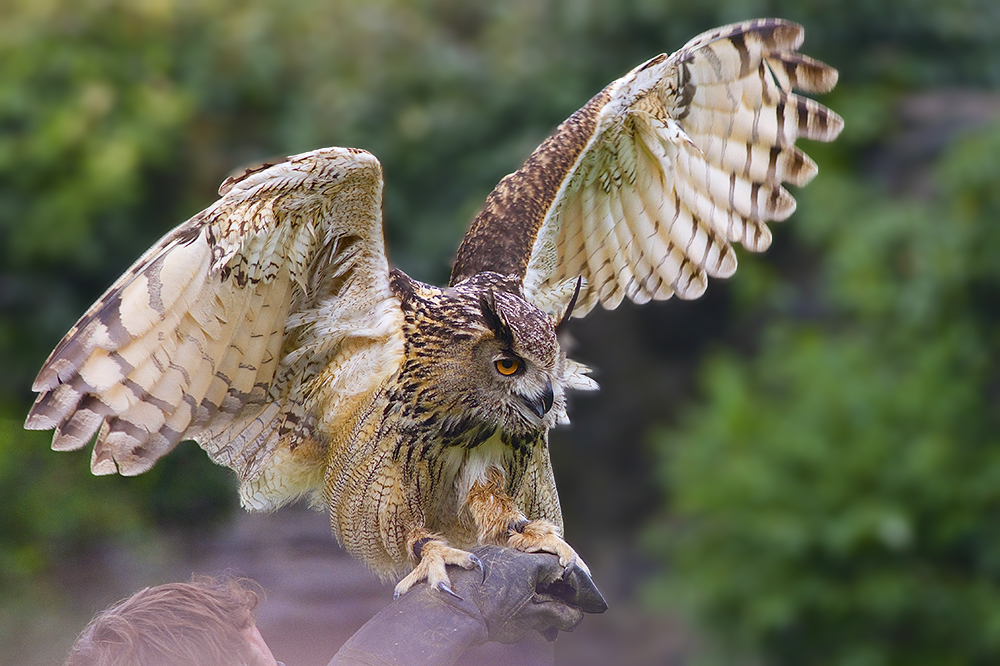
[500, 328]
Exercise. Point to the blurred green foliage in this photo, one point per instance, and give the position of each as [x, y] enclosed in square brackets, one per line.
[47, 512]
[830, 494]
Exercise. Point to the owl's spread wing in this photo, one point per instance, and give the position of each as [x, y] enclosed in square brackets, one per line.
[642, 190]
[216, 332]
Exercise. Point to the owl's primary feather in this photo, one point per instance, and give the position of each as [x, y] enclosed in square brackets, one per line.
[270, 329]
[642, 190]
[227, 329]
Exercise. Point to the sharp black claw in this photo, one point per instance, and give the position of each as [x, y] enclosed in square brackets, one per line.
[447, 590]
[569, 571]
[478, 564]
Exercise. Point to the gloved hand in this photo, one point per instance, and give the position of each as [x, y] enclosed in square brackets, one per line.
[521, 592]
[513, 594]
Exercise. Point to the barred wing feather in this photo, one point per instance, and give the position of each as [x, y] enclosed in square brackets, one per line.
[643, 190]
[216, 332]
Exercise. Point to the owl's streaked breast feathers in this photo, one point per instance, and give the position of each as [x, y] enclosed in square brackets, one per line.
[268, 327]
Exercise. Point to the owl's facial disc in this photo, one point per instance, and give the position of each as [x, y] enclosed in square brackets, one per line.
[522, 389]
[528, 385]
[537, 400]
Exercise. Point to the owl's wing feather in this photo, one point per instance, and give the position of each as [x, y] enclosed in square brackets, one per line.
[642, 190]
[211, 334]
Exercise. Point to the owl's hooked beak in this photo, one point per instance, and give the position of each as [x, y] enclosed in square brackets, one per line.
[539, 404]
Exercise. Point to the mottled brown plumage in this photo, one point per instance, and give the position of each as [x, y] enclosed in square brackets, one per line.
[270, 329]
[438, 425]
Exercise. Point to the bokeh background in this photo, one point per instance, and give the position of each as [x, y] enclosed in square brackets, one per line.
[803, 467]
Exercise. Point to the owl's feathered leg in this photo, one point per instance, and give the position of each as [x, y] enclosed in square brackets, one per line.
[502, 523]
[432, 555]
[499, 522]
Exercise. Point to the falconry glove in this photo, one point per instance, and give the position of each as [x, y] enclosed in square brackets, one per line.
[514, 594]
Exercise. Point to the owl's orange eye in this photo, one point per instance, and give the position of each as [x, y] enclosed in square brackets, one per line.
[507, 366]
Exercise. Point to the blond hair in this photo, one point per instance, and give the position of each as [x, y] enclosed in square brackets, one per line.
[204, 622]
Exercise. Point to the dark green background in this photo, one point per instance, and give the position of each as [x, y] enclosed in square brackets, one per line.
[804, 465]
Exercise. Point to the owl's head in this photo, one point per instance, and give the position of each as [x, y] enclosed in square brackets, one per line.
[520, 363]
[483, 356]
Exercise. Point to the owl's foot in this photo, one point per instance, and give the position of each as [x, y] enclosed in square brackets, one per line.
[434, 556]
[542, 536]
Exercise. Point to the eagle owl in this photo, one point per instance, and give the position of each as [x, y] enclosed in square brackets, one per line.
[270, 329]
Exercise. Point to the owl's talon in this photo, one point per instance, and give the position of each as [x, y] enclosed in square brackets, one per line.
[568, 570]
[435, 555]
[408, 581]
[543, 536]
[447, 590]
[576, 563]
[478, 565]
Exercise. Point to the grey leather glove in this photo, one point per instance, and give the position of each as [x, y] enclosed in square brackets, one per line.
[522, 592]
[514, 594]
